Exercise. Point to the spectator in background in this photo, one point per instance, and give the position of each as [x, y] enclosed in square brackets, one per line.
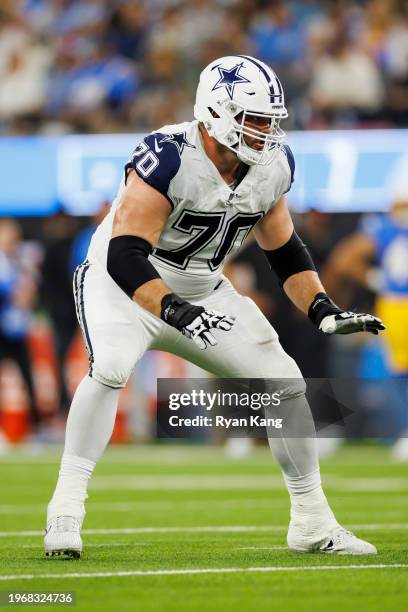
[279, 38]
[376, 256]
[128, 28]
[56, 292]
[21, 85]
[81, 241]
[84, 17]
[199, 21]
[18, 294]
[162, 98]
[23, 70]
[97, 90]
[396, 68]
[346, 83]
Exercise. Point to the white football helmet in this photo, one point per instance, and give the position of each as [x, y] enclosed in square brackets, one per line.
[233, 89]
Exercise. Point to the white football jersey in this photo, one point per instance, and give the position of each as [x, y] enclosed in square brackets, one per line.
[209, 219]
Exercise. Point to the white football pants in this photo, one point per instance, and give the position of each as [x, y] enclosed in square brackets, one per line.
[117, 332]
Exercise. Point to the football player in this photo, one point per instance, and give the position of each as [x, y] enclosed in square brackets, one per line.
[383, 238]
[153, 279]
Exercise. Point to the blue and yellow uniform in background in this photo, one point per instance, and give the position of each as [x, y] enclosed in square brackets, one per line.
[391, 244]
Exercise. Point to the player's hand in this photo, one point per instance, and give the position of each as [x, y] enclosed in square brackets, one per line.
[199, 328]
[350, 323]
[194, 322]
[331, 319]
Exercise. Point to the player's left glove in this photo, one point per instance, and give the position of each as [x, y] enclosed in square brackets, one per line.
[194, 322]
[331, 319]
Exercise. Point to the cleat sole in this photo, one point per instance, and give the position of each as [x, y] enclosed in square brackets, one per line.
[72, 554]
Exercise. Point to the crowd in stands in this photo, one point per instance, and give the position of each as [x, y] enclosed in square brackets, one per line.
[132, 65]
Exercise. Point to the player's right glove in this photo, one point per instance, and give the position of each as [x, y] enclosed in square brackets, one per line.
[331, 319]
[195, 322]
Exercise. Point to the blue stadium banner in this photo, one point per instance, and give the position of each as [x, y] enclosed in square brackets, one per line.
[336, 171]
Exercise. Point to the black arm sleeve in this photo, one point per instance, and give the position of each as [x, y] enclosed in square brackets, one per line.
[127, 263]
[289, 259]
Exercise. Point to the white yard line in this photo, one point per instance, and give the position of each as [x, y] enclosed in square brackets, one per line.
[186, 482]
[149, 505]
[134, 530]
[107, 544]
[261, 548]
[234, 481]
[205, 529]
[211, 570]
[391, 499]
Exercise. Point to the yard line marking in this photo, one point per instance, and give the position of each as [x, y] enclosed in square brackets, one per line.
[204, 529]
[108, 544]
[397, 500]
[211, 570]
[127, 506]
[233, 481]
[261, 548]
[39, 509]
[131, 530]
[186, 482]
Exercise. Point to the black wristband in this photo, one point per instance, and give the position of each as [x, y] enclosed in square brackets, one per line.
[321, 307]
[177, 312]
[289, 259]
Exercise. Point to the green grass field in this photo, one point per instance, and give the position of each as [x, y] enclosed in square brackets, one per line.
[176, 528]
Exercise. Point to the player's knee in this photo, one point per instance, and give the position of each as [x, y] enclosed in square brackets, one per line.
[283, 374]
[285, 388]
[112, 370]
[292, 388]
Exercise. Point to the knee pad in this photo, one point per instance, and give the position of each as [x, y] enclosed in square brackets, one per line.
[287, 388]
[112, 370]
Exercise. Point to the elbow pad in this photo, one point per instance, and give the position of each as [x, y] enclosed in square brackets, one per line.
[127, 263]
[291, 258]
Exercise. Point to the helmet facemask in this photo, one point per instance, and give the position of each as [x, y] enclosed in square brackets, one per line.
[271, 140]
[236, 126]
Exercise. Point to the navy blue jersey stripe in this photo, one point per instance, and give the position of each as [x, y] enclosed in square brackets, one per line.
[84, 324]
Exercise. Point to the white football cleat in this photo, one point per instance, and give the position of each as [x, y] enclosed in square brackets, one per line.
[63, 537]
[337, 541]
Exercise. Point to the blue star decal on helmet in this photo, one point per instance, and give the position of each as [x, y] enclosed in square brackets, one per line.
[229, 78]
[179, 140]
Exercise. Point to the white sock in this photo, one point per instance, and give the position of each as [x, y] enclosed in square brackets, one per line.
[307, 497]
[91, 419]
[299, 461]
[70, 492]
[89, 428]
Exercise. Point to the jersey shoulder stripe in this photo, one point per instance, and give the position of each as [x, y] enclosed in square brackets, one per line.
[157, 159]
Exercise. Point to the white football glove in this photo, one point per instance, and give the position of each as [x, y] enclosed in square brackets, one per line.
[194, 322]
[199, 329]
[349, 323]
[331, 319]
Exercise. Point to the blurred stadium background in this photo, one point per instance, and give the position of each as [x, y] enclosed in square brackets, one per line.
[82, 81]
